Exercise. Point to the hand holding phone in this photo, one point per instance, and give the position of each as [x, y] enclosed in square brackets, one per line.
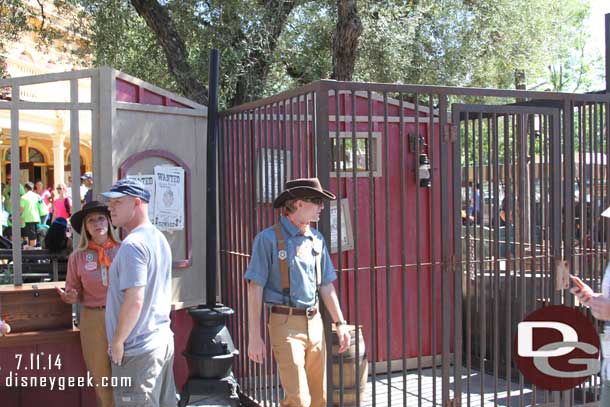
[577, 281]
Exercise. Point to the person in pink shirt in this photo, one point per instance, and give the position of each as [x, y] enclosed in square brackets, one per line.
[87, 283]
[62, 205]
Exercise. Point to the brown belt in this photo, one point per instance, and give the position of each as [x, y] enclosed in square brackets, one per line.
[100, 307]
[309, 312]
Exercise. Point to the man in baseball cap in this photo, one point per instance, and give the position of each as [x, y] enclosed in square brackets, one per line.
[87, 184]
[128, 186]
[141, 343]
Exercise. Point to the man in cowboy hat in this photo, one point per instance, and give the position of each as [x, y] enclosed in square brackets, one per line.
[289, 269]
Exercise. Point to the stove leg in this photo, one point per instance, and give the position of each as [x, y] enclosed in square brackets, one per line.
[184, 397]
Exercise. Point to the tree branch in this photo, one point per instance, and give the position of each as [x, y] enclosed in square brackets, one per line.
[345, 41]
[158, 20]
[250, 84]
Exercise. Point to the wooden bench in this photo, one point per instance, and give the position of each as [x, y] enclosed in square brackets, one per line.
[37, 265]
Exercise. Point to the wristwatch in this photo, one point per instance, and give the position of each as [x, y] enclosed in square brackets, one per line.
[340, 322]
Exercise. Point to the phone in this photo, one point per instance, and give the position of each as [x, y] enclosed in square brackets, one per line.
[577, 281]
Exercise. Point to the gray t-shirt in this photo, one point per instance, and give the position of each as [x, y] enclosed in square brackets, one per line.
[143, 260]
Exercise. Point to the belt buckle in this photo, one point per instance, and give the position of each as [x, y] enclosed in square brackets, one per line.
[310, 312]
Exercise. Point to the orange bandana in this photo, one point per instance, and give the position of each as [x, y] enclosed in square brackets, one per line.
[102, 258]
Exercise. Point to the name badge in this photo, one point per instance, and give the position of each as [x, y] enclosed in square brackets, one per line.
[104, 276]
[90, 266]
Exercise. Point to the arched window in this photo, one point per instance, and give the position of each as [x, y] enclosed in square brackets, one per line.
[35, 155]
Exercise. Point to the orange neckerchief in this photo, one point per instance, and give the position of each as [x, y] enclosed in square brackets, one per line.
[102, 258]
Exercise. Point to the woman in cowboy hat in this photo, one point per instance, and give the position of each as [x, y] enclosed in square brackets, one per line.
[290, 270]
[87, 282]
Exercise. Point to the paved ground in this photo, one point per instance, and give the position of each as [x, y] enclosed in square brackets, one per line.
[390, 391]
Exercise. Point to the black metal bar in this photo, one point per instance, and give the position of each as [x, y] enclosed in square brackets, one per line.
[471, 194]
[434, 193]
[372, 252]
[456, 266]
[418, 248]
[495, 133]
[556, 193]
[338, 172]
[445, 249]
[322, 154]
[211, 232]
[385, 140]
[356, 240]
[241, 260]
[403, 252]
[483, 236]
[607, 44]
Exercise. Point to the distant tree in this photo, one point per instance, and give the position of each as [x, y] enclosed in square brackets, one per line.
[268, 46]
[345, 40]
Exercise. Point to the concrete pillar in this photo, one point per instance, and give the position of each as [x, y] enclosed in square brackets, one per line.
[58, 158]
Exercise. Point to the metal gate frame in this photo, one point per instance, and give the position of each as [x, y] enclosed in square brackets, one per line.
[578, 119]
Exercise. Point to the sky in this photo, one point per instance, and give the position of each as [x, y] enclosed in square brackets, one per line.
[596, 27]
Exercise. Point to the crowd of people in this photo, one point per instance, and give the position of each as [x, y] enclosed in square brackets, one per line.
[45, 211]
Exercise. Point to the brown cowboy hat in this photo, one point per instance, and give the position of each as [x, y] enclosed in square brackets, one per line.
[302, 188]
[76, 220]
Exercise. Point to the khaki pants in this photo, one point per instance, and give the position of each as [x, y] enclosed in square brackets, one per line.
[95, 351]
[298, 347]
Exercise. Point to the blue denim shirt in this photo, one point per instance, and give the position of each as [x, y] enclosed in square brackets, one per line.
[264, 267]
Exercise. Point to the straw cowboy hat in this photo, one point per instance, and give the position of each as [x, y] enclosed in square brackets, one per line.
[76, 220]
[302, 188]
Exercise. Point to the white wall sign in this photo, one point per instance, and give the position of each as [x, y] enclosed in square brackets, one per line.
[169, 198]
[166, 187]
[347, 238]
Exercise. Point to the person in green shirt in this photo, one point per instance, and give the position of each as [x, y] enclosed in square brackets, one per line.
[30, 216]
[6, 193]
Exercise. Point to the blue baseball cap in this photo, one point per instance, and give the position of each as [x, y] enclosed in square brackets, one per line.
[128, 186]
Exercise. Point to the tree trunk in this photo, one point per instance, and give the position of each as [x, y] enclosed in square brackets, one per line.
[250, 84]
[345, 41]
[158, 20]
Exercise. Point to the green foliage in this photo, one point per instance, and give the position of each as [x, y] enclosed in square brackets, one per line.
[480, 44]
[304, 52]
[446, 42]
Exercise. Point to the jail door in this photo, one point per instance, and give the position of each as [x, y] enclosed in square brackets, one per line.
[509, 191]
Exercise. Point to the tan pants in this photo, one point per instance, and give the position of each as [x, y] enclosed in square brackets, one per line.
[298, 347]
[95, 352]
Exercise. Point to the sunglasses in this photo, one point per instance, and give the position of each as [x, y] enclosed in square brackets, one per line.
[315, 201]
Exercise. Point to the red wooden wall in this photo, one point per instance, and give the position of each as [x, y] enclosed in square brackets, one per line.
[73, 365]
[289, 127]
